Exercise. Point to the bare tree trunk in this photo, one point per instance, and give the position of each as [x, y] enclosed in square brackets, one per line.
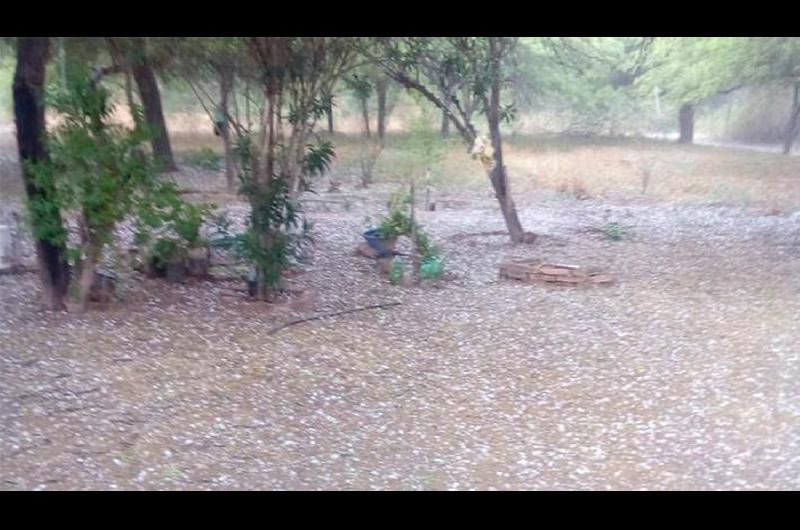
[151, 101]
[365, 115]
[793, 127]
[445, 131]
[225, 89]
[28, 92]
[87, 268]
[498, 173]
[381, 87]
[686, 120]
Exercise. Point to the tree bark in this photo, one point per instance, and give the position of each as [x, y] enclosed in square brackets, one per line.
[445, 131]
[365, 115]
[380, 88]
[498, 174]
[151, 101]
[686, 121]
[86, 280]
[225, 89]
[28, 91]
[793, 127]
[329, 112]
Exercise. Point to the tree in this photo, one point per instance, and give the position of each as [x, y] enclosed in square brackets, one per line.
[588, 79]
[134, 53]
[362, 89]
[296, 73]
[48, 226]
[96, 172]
[690, 70]
[478, 64]
[207, 62]
[777, 60]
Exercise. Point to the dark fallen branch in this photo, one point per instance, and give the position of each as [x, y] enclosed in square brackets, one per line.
[328, 315]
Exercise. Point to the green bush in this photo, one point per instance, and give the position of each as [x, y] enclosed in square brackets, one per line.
[432, 268]
[613, 231]
[397, 271]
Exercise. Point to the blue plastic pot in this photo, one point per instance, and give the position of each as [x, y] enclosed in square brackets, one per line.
[384, 247]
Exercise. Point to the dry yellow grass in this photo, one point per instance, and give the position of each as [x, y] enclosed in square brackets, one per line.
[613, 167]
[593, 167]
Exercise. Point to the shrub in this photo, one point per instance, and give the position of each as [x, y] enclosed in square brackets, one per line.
[613, 231]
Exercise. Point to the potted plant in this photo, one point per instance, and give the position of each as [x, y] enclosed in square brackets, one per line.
[384, 238]
[187, 225]
[168, 258]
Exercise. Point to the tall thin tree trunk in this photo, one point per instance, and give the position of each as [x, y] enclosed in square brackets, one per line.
[365, 115]
[686, 121]
[793, 127]
[151, 101]
[28, 92]
[329, 112]
[225, 89]
[498, 174]
[445, 131]
[380, 88]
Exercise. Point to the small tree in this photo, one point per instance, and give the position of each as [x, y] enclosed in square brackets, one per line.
[296, 75]
[97, 172]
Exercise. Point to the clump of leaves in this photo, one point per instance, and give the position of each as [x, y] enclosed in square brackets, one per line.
[170, 225]
[432, 268]
[205, 158]
[165, 251]
[613, 231]
[397, 271]
[188, 219]
[396, 224]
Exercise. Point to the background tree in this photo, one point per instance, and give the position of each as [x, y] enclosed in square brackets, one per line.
[210, 66]
[139, 56]
[479, 64]
[687, 71]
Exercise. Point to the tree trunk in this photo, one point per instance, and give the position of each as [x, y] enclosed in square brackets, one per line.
[28, 91]
[793, 127]
[445, 131]
[365, 114]
[686, 120]
[381, 87]
[85, 281]
[151, 101]
[498, 172]
[225, 89]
